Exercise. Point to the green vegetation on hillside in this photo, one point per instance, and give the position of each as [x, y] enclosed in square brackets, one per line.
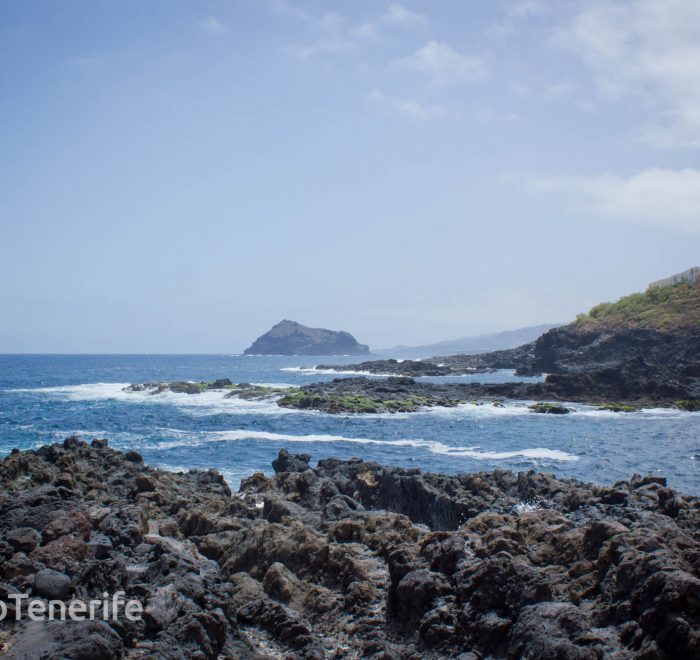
[666, 308]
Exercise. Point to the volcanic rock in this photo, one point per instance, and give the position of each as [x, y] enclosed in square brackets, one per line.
[349, 559]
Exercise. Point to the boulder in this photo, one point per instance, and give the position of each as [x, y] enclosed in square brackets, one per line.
[52, 584]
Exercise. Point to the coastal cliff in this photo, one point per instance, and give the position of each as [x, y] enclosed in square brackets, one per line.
[347, 559]
[291, 338]
[645, 348]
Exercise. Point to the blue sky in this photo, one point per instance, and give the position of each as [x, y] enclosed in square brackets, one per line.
[178, 176]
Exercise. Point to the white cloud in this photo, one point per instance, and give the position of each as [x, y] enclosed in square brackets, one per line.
[88, 62]
[398, 14]
[338, 36]
[366, 32]
[327, 45]
[335, 38]
[444, 64]
[515, 14]
[488, 116]
[409, 108]
[212, 25]
[331, 22]
[558, 89]
[649, 49]
[527, 9]
[285, 7]
[655, 196]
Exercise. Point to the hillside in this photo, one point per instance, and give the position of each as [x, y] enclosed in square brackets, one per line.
[667, 309]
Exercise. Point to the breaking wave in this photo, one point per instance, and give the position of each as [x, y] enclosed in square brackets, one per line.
[188, 440]
[211, 402]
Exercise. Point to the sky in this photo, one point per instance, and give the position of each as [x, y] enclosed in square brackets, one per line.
[176, 177]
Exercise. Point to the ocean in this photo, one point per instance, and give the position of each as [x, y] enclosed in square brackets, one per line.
[46, 398]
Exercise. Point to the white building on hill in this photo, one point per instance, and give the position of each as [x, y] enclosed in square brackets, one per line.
[690, 276]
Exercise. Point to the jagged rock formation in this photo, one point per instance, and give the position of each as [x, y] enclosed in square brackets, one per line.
[349, 559]
[291, 338]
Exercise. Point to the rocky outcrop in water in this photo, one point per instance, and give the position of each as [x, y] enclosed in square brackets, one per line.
[348, 559]
[617, 390]
[291, 338]
[610, 389]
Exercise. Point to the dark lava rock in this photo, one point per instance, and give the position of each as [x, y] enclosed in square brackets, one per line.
[78, 640]
[52, 584]
[549, 409]
[24, 539]
[347, 559]
[286, 463]
[291, 338]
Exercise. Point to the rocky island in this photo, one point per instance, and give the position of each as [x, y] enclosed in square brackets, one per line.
[291, 338]
[347, 559]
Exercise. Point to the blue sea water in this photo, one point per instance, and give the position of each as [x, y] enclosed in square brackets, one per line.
[45, 398]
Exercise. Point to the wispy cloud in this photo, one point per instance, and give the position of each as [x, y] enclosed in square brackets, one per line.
[489, 116]
[649, 49]
[286, 8]
[335, 38]
[527, 8]
[444, 64]
[366, 32]
[86, 62]
[662, 197]
[515, 15]
[212, 25]
[399, 14]
[409, 108]
[338, 35]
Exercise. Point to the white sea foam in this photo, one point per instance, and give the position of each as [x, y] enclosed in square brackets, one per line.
[647, 413]
[214, 402]
[193, 440]
[486, 409]
[333, 372]
[526, 507]
[279, 386]
[665, 412]
[470, 376]
[211, 402]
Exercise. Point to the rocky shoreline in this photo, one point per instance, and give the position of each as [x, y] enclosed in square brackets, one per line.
[619, 368]
[348, 559]
[400, 394]
[632, 366]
